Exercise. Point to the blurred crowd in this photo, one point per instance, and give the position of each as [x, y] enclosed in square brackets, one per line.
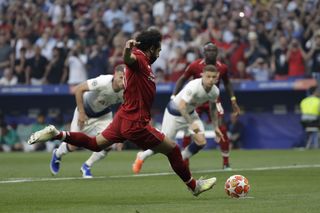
[69, 41]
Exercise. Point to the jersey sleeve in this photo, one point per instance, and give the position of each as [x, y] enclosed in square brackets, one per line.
[188, 93]
[136, 64]
[189, 71]
[99, 83]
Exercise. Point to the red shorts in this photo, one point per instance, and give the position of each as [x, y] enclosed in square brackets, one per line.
[141, 133]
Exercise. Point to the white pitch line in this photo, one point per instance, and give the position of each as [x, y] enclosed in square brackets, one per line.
[34, 179]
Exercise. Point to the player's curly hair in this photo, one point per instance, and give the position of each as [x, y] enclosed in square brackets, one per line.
[149, 38]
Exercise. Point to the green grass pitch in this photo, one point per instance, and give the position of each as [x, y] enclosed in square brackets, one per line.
[281, 181]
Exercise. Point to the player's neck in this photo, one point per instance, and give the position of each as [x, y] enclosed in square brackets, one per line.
[212, 62]
[205, 88]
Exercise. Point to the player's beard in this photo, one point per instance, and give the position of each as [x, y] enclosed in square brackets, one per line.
[152, 59]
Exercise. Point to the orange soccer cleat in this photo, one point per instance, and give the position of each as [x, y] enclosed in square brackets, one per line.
[137, 165]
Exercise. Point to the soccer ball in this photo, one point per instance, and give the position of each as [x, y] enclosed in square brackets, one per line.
[237, 186]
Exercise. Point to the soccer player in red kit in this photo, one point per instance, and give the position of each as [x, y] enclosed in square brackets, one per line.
[132, 121]
[194, 70]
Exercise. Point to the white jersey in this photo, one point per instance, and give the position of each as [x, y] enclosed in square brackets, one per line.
[194, 95]
[101, 96]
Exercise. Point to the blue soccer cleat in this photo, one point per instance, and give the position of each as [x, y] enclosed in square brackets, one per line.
[86, 171]
[55, 163]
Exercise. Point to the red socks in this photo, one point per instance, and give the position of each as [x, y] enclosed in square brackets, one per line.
[79, 139]
[180, 167]
[225, 146]
[186, 140]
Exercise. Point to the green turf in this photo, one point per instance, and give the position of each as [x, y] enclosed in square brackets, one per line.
[276, 190]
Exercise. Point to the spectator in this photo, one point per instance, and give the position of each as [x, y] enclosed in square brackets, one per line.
[115, 57]
[235, 53]
[6, 54]
[112, 13]
[259, 70]
[55, 69]
[279, 61]
[97, 62]
[46, 42]
[36, 67]
[75, 66]
[314, 54]
[177, 65]
[296, 59]
[255, 50]
[242, 73]
[60, 11]
[160, 75]
[9, 139]
[8, 78]
[20, 67]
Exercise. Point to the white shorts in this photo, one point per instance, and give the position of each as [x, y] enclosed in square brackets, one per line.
[93, 126]
[171, 124]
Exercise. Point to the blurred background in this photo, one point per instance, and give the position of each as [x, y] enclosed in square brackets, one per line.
[272, 49]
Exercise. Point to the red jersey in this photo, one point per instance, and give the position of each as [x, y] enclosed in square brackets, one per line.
[296, 63]
[195, 70]
[140, 89]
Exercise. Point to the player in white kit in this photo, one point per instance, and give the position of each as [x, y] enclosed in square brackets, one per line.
[94, 98]
[180, 114]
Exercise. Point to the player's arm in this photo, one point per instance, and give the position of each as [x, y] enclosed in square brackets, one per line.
[233, 99]
[79, 91]
[179, 84]
[215, 122]
[128, 57]
[183, 111]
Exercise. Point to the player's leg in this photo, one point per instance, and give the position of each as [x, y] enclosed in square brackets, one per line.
[157, 141]
[64, 148]
[172, 151]
[94, 157]
[198, 142]
[169, 128]
[224, 146]
[78, 139]
[94, 127]
[186, 140]
[56, 157]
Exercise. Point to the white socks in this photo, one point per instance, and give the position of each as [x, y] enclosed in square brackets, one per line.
[144, 155]
[62, 150]
[186, 154]
[96, 156]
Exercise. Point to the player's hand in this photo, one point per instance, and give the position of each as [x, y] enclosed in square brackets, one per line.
[131, 43]
[219, 136]
[82, 119]
[194, 127]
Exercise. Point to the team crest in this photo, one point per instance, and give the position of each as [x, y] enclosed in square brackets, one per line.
[94, 83]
